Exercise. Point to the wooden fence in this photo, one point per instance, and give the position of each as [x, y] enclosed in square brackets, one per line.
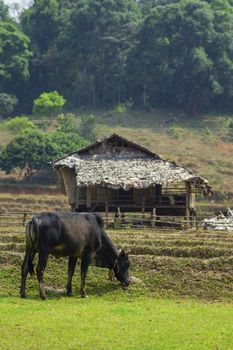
[119, 221]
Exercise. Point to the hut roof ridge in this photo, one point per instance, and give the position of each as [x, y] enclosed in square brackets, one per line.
[99, 142]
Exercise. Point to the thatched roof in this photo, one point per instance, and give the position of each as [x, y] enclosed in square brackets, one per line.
[119, 163]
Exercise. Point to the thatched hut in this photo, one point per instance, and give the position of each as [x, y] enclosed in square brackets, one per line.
[119, 175]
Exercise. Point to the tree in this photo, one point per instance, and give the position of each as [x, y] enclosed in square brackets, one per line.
[41, 22]
[184, 55]
[18, 125]
[4, 11]
[68, 142]
[66, 136]
[49, 103]
[29, 152]
[7, 104]
[66, 123]
[14, 55]
[93, 43]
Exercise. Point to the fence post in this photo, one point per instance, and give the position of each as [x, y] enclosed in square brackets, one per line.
[24, 218]
[153, 218]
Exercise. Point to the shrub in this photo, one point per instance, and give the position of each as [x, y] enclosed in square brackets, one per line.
[66, 123]
[49, 103]
[67, 142]
[18, 125]
[7, 104]
[231, 125]
[29, 152]
[120, 108]
[175, 132]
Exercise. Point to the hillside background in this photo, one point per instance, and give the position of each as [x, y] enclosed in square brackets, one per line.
[157, 72]
[202, 144]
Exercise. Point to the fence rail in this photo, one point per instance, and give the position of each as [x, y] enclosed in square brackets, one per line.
[128, 220]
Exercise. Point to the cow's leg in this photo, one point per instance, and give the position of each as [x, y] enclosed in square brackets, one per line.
[24, 272]
[85, 262]
[71, 268]
[27, 266]
[43, 258]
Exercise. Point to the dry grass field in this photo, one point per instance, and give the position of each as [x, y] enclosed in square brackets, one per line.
[170, 262]
[202, 143]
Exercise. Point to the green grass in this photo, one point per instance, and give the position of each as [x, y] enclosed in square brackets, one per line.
[158, 313]
[106, 323]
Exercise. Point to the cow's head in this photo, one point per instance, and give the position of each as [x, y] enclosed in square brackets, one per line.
[121, 268]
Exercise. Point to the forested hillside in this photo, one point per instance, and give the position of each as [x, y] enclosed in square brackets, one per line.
[72, 71]
[100, 53]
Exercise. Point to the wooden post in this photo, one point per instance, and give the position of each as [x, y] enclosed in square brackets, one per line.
[24, 218]
[118, 215]
[106, 206]
[153, 217]
[143, 206]
[89, 197]
[188, 202]
[106, 202]
[106, 209]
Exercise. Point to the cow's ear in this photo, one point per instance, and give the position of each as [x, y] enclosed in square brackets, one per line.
[121, 253]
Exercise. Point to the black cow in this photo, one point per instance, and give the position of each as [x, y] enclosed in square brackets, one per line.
[74, 235]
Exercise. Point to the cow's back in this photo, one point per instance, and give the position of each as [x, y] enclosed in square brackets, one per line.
[67, 233]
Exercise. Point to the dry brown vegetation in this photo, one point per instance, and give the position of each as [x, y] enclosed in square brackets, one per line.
[172, 263]
[202, 143]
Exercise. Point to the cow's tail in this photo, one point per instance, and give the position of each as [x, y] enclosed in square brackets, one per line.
[32, 232]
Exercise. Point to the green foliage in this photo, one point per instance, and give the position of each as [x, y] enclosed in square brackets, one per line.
[224, 122]
[14, 53]
[66, 136]
[19, 125]
[48, 103]
[97, 53]
[120, 108]
[93, 43]
[7, 104]
[31, 151]
[176, 132]
[67, 142]
[66, 123]
[231, 125]
[230, 128]
[87, 127]
[123, 107]
[184, 55]
[4, 11]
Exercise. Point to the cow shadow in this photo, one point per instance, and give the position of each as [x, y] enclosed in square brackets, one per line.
[100, 289]
[93, 289]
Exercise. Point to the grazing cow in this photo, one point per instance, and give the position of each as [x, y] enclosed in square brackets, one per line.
[74, 235]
